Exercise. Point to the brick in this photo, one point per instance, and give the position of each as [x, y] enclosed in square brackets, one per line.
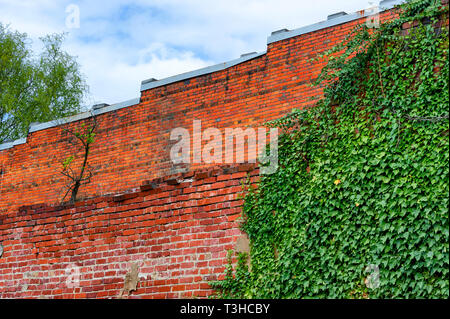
[177, 233]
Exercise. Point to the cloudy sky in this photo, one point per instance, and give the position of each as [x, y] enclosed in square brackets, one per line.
[120, 43]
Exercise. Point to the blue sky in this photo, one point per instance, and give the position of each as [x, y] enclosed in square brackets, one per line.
[120, 43]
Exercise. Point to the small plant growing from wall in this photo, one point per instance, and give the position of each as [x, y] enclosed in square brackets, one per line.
[83, 135]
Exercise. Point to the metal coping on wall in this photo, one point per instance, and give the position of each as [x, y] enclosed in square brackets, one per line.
[339, 19]
[77, 117]
[146, 85]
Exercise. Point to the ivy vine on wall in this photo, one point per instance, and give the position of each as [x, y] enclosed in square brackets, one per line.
[359, 207]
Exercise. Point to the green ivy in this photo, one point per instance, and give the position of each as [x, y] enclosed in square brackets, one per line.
[231, 286]
[362, 189]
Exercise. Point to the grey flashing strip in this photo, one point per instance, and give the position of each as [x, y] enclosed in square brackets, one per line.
[117, 106]
[81, 116]
[384, 5]
[7, 145]
[145, 85]
[336, 15]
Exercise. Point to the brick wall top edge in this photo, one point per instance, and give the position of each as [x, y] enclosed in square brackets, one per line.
[199, 72]
[70, 119]
[11, 144]
[384, 6]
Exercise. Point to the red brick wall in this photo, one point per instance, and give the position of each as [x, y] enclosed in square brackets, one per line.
[177, 234]
[132, 144]
[176, 229]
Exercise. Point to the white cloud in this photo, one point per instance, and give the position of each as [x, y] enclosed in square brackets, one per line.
[112, 80]
[119, 43]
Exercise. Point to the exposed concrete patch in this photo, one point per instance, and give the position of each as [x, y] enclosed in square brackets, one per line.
[243, 246]
[131, 281]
